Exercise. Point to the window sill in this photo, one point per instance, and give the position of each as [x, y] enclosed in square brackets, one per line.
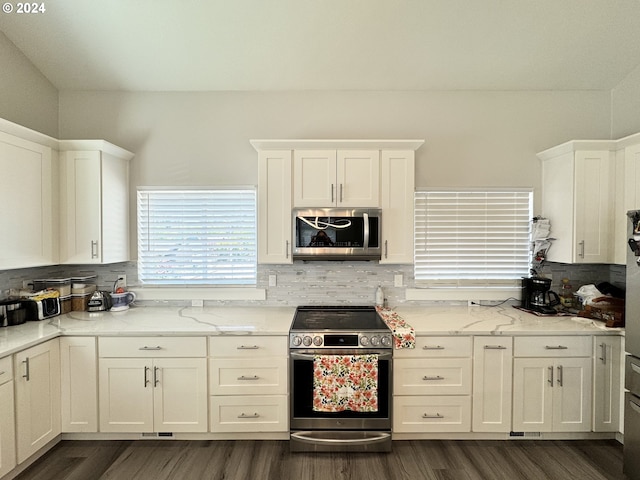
[477, 294]
[199, 293]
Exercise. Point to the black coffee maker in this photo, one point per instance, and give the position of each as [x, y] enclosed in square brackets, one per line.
[537, 296]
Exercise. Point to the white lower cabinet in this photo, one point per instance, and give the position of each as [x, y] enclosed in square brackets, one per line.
[492, 383]
[607, 365]
[153, 384]
[552, 392]
[37, 396]
[79, 384]
[248, 382]
[7, 419]
[432, 386]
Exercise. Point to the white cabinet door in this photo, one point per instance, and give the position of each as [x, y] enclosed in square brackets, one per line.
[79, 384]
[314, 178]
[593, 206]
[37, 385]
[180, 394]
[7, 419]
[397, 183]
[126, 395]
[607, 383]
[572, 395]
[492, 384]
[358, 178]
[26, 192]
[94, 204]
[532, 395]
[274, 207]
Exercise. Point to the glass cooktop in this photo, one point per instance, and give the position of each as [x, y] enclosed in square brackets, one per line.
[354, 318]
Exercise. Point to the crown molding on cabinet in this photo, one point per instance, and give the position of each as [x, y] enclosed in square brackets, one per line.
[27, 134]
[309, 144]
[573, 145]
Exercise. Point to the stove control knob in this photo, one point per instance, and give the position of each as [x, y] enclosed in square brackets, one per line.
[364, 340]
[317, 340]
[296, 341]
[307, 341]
[375, 340]
[386, 341]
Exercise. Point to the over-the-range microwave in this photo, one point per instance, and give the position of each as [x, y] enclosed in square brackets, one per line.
[337, 233]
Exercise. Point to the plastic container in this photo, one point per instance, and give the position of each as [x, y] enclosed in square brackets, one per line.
[83, 284]
[567, 299]
[65, 304]
[80, 303]
[61, 285]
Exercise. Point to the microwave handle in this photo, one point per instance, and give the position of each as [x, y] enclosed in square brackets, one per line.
[365, 217]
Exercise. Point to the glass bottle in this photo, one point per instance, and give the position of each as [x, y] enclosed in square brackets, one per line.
[566, 294]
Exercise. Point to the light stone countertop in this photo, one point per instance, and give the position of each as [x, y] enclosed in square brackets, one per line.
[191, 321]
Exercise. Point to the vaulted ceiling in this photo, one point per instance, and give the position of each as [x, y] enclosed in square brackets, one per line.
[204, 45]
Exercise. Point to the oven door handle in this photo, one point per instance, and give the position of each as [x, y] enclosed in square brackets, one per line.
[307, 356]
[307, 437]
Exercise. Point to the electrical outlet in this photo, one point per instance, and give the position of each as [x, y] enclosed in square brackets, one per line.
[397, 280]
[122, 281]
[273, 280]
[471, 303]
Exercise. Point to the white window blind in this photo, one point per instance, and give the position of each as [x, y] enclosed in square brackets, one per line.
[197, 237]
[472, 238]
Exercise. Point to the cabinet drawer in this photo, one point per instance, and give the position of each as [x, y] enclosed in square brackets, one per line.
[451, 376]
[435, 347]
[146, 347]
[263, 376]
[6, 370]
[258, 413]
[553, 346]
[248, 346]
[432, 414]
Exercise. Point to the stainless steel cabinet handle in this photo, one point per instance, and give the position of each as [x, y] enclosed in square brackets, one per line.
[436, 377]
[155, 376]
[26, 375]
[386, 249]
[550, 380]
[436, 347]
[255, 377]
[248, 347]
[581, 254]
[244, 415]
[332, 195]
[554, 347]
[94, 249]
[341, 188]
[437, 415]
[146, 376]
[560, 375]
[150, 348]
[495, 347]
[286, 254]
[603, 358]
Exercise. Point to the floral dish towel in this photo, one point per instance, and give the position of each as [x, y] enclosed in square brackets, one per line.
[404, 335]
[345, 382]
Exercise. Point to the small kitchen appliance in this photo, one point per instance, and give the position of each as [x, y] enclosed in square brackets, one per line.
[537, 295]
[100, 301]
[41, 308]
[322, 332]
[12, 312]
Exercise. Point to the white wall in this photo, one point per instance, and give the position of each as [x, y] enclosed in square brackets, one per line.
[625, 105]
[26, 96]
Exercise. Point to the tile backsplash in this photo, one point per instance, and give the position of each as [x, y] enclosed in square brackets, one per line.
[302, 283]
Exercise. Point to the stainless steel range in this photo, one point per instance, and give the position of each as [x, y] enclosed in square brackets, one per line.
[360, 420]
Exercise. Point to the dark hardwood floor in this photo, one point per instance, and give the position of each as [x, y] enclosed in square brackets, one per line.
[258, 460]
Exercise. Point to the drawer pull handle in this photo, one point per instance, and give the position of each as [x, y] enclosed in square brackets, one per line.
[436, 377]
[146, 376]
[255, 377]
[248, 347]
[244, 415]
[553, 347]
[495, 347]
[560, 375]
[436, 347]
[550, 379]
[437, 415]
[150, 348]
[155, 376]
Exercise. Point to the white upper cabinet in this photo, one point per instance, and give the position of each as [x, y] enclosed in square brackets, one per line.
[627, 191]
[342, 178]
[577, 180]
[28, 194]
[94, 201]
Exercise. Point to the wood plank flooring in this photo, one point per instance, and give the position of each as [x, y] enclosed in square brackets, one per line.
[271, 460]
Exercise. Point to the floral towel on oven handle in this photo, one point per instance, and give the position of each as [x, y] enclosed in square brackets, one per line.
[404, 336]
[345, 382]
